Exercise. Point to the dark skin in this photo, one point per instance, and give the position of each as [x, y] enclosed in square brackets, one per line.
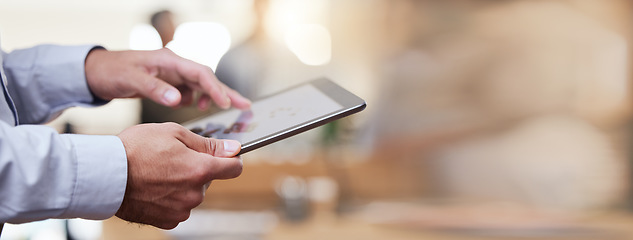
[169, 167]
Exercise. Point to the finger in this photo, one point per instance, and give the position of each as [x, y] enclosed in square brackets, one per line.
[187, 97]
[157, 90]
[203, 102]
[203, 76]
[214, 147]
[237, 100]
[215, 89]
[224, 168]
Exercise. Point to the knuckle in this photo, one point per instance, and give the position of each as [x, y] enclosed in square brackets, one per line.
[165, 51]
[182, 216]
[171, 125]
[194, 199]
[216, 146]
[209, 70]
[238, 169]
[173, 128]
[168, 225]
[209, 145]
[150, 85]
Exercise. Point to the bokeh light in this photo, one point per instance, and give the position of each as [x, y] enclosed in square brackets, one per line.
[311, 43]
[203, 42]
[144, 37]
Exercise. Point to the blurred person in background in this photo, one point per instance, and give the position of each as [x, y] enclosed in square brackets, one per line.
[163, 22]
[261, 65]
[152, 174]
[244, 66]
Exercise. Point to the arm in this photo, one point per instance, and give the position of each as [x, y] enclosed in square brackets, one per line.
[168, 167]
[45, 80]
[48, 175]
[152, 174]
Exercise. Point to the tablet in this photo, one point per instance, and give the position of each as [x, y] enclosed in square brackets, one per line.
[281, 115]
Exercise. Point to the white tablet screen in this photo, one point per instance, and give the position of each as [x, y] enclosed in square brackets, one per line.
[268, 116]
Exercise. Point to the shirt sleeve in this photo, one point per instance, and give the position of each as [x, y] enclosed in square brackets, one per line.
[46, 79]
[44, 174]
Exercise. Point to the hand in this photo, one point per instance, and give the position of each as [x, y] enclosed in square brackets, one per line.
[159, 75]
[169, 170]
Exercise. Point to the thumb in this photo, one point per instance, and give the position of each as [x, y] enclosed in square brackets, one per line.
[222, 147]
[158, 90]
[216, 147]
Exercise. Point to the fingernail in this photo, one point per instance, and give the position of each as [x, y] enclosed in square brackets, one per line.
[231, 146]
[170, 96]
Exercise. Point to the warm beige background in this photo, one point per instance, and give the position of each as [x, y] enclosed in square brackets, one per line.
[485, 118]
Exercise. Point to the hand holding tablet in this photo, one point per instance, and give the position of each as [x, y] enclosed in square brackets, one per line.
[281, 115]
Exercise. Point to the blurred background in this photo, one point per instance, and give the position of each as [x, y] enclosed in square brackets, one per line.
[486, 119]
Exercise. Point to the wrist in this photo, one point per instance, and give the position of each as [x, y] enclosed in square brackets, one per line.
[92, 77]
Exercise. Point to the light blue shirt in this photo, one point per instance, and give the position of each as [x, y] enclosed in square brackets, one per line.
[44, 174]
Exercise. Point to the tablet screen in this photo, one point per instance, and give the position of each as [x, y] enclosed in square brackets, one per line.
[268, 116]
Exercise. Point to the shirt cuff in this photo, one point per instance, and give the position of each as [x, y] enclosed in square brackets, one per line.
[69, 68]
[83, 96]
[47, 79]
[101, 177]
